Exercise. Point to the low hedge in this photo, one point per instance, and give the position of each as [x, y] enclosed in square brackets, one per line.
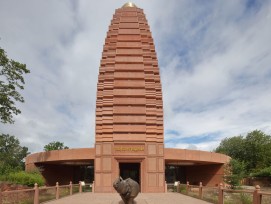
[25, 178]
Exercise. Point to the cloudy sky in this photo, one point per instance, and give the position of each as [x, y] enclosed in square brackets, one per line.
[214, 58]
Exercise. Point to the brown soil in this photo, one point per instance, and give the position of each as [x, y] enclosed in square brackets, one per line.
[5, 186]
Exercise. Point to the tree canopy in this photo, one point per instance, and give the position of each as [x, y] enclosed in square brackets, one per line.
[55, 146]
[254, 150]
[233, 147]
[11, 81]
[12, 154]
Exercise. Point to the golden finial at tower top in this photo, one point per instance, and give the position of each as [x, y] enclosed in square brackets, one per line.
[129, 4]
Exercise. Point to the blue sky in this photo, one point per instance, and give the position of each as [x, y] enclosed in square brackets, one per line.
[214, 58]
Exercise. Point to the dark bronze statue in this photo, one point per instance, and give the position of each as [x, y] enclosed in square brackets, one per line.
[128, 189]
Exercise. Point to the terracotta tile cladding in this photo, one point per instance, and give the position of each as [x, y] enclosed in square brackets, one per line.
[129, 79]
[129, 106]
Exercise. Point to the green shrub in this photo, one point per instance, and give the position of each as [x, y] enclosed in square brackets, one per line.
[233, 180]
[6, 169]
[26, 178]
[242, 198]
[182, 189]
[266, 172]
[234, 172]
[245, 198]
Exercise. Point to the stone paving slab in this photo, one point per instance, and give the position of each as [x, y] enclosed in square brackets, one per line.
[114, 198]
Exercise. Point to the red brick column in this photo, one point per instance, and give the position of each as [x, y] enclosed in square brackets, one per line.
[36, 194]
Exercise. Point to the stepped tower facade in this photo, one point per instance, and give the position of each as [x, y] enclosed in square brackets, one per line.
[129, 107]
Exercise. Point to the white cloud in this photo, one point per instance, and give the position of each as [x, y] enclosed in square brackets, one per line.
[214, 60]
[228, 88]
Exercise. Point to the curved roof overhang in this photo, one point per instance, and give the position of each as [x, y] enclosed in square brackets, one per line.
[80, 156]
[84, 156]
[186, 157]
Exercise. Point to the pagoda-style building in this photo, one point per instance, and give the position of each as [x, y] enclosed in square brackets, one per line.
[129, 139]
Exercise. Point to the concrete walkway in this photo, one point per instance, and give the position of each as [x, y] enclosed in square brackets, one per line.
[114, 198]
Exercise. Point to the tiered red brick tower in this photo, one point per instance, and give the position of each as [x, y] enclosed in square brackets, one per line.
[129, 108]
[129, 122]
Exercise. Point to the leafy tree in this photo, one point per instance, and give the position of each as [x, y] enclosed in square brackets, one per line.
[253, 150]
[11, 80]
[11, 154]
[258, 150]
[55, 146]
[233, 147]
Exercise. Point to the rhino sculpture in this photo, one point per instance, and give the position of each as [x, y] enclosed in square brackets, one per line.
[128, 189]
